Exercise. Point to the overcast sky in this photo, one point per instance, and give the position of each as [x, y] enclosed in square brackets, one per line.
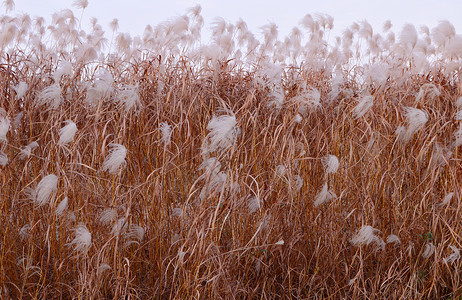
[134, 15]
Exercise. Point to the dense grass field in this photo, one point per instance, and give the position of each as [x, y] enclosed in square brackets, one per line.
[250, 166]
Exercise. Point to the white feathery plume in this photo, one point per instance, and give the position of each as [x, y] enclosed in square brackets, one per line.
[177, 212]
[114, 24]
[166, 130]
[387, 26]
[458, 136]
[442, 33]
[377, 74]
[281, 170]
[415, 119]
[20, 89]
[429, 250]
[331, 164]
[50, 96]
[393, 239]
[135, 232]
[253, 204]
[223, 133]
[408, 36]
[4, 125]
[298, 118]
[27, 151]
[458, 116]
[82, 240]
[310, 99]
[440, 156]
[18, 119]
[101, 88]
[67, 133]
[276, 98]
[115, 159]
[216, 184]
[119, 227]
[3, 159]
[324, 195]
[447, 198]
[62, 206]
[46, 189]
[107, 216]
[24, 232]
[103, 267]
[363, 106]
[367, 235]
[211, 167]
[455, 256]
[459, 102]
[81, 4]
[65, 68]
[280, 242]
[428, 89]
[9, 5]
[298, 182]
[128, 98]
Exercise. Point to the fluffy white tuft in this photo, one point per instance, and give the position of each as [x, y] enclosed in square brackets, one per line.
[458, 136]
[429, 250]
[135, 232]
[27, 151]
[309, 100]
[253, 204]
[24, 232]
[428, 90]
[82, 240]
[447, 198]
[107, 216]
[120, 226]
[65, 68]
[459, 102]
[101, 89]
[20, 90]
[67, 133]
[363, 106]
[324, 195]
[408, 36]
[46, 189]
[50, 96]
[415, 119]
[128, 98]
[298, 182]
[298, 118]
[115, 159]
[177, 212]
[4, 125]
[455, 256]
[458, 116]
[166, 130]
[393, 239]
[62, 207]
[216, 184]
[331, 164]
[367, 235]
[223, 133]
[81, 4]
[3, 159]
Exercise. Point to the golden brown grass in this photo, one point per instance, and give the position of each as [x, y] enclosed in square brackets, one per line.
[217, 249]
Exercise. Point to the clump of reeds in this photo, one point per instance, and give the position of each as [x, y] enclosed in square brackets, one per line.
[165, 166]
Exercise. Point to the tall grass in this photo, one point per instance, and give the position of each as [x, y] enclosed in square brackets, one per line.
[161, 166]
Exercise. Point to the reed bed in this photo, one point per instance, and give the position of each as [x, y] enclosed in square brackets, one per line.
[160, 166]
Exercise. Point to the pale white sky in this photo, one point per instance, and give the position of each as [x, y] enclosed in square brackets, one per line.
[134, 15]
